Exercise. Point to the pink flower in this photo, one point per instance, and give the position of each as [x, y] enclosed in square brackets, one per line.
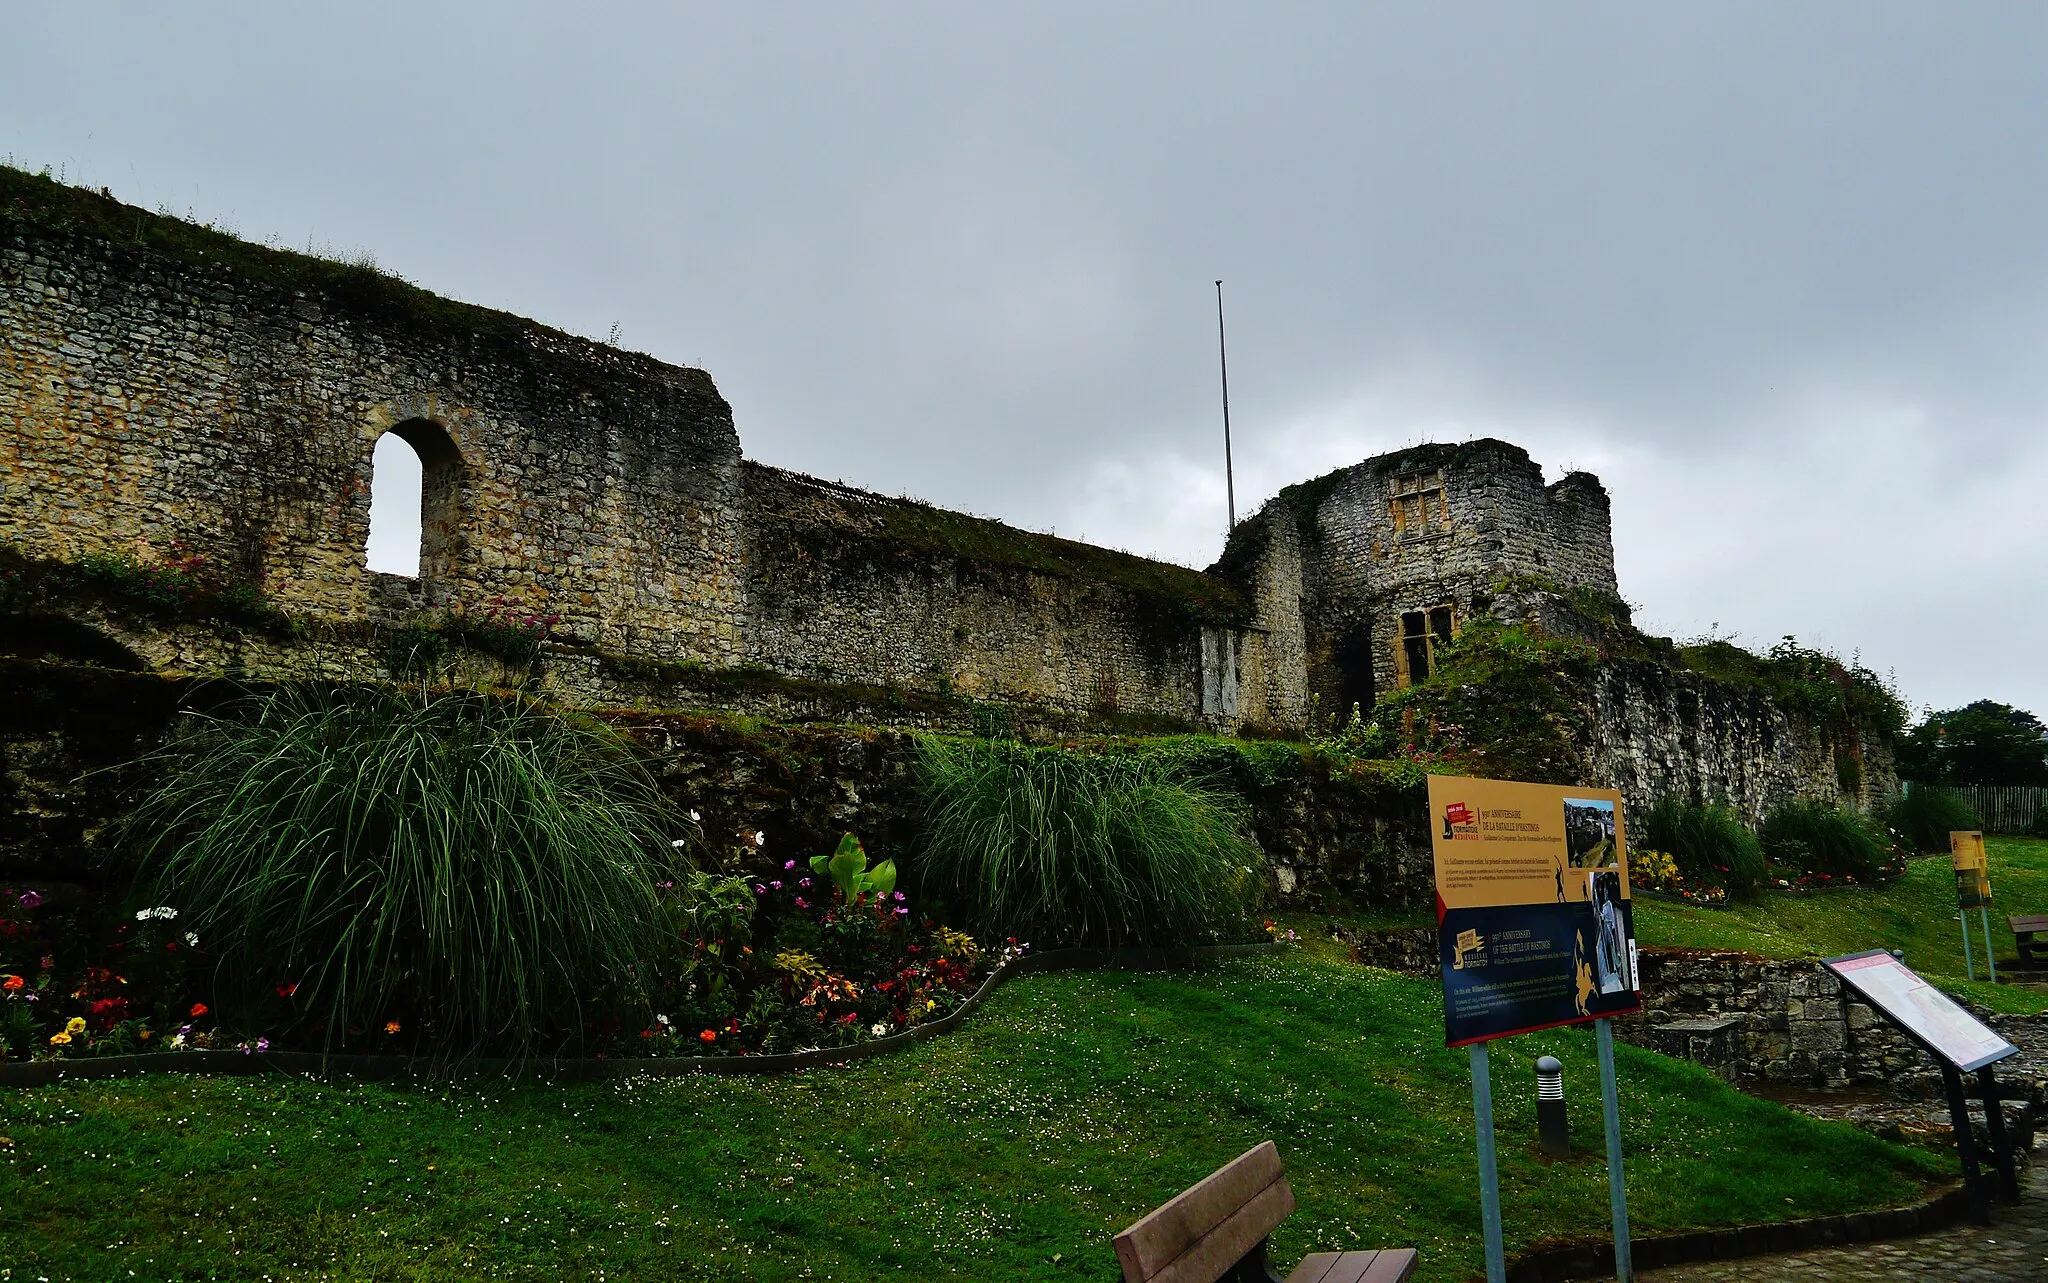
[789, 864]
[806, 882]
[800, 903]
[30, 899]
[775, 886]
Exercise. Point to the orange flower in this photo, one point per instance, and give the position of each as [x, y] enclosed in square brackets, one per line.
[709, 1035]
[12, 983]
[391, 1026]
[198, 1010]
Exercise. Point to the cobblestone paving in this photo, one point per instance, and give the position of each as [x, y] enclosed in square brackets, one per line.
[2014, 1247]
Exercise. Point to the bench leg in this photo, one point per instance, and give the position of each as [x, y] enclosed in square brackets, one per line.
[1252, 1267]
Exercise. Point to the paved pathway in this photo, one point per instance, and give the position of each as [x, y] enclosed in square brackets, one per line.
[2013, 1248]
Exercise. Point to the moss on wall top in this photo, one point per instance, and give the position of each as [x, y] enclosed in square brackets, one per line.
[354, 289]
[838, 512]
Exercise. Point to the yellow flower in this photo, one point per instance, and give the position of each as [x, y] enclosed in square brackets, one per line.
[76, 1025]
[391, 1026]
[58, 1040]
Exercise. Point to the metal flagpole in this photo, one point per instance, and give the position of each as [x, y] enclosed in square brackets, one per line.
[1617, 1193]
[1489, 1170]
[1223, 365]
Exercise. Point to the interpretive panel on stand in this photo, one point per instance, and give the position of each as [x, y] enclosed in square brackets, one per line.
[1534, 925]
[1925, 1013]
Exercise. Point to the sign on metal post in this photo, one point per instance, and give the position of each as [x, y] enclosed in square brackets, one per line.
[1534, 930]
[1973, 891]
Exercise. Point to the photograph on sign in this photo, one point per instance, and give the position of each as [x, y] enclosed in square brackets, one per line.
[1927, 1014]
[1589, 833]
[1535, 927]
[1973, 869]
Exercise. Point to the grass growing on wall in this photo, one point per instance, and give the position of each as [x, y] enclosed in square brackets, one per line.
[472, 868]
[1056, 847]
[1013, 1149]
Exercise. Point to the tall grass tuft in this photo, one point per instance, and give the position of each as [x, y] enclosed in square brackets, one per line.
[1054, 847]
[473, 868]
[1820, 839]
[1927, 815]
[1710, 844]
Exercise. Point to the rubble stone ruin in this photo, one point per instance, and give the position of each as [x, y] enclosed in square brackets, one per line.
[171, 394]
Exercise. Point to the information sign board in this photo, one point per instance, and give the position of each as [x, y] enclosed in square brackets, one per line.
[1926, 1014]
[1534, 925]
[1973, 870]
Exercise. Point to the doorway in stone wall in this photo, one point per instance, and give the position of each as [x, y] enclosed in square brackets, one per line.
[415, 493]
[1354, 671]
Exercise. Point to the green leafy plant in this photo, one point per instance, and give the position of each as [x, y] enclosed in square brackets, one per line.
[464, 871]
[1924, 817]
[1829, 844]
[849, 871]
[1710, 844]
[1057, 847]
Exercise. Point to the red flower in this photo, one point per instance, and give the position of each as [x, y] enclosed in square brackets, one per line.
[198, 1009]
[709, 1035]
[286, 991]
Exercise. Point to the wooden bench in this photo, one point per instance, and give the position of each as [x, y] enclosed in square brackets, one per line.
[1216, 1233]
[2024, 927]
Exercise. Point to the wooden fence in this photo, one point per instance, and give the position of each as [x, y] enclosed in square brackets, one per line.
[2003, 809]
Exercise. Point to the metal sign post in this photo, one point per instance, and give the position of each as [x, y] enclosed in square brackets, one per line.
[1617, 1193]
[1489, 1169]
[1984, 914]
[1969, 966]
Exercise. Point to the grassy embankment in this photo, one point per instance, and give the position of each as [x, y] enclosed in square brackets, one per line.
[1012, 1149]
[1917, 914]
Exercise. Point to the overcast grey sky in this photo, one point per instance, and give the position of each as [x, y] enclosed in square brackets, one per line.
[1777, 272]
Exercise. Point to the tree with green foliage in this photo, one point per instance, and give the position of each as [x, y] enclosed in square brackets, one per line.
[1981, 743]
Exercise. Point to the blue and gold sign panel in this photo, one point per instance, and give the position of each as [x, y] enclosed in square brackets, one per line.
[1534, 924]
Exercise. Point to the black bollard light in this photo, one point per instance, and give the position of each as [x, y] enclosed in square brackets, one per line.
[1553, 1133]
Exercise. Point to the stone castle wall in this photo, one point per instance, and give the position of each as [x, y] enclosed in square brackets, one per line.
[160, 407]
[1658, 731]
[1427, 527]
[843, 585]
[168, 398]
[151, 407]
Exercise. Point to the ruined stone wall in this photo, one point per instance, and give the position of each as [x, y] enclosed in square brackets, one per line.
[161, 406]
[1436, 525]
[1657, 731]
[847, 586]
[157, 408]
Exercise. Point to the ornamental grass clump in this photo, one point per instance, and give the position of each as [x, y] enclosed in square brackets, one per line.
[473, 870]
[1710, 845]
[1925, 816]
[1825, 844]
[1057, 847]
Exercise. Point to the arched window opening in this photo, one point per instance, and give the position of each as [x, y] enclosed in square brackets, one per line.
[414, 501]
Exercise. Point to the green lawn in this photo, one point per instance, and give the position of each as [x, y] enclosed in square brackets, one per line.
[1013, 1148]
[1916, 914]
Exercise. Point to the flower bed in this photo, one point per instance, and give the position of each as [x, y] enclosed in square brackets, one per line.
[828, 955]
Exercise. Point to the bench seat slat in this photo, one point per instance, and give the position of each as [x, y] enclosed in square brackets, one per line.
[1224, 1200]
[1392, 1265]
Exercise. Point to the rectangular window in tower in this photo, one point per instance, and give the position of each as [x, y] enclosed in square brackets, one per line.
[1422, 632]
[1417, 503]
